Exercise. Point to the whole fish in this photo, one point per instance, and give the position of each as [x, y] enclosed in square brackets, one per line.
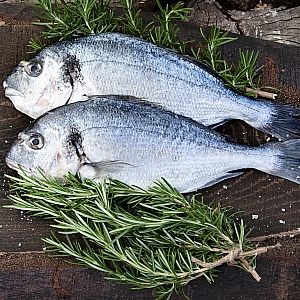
[116, 64]
[139, 143]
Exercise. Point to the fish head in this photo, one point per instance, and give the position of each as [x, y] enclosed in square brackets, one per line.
[43, 149]
[39, 84]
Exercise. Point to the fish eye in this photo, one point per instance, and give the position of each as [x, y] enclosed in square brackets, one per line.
[33, 69]
[36, 142]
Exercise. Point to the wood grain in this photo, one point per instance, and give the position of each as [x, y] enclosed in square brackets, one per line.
[274, 24]
[53, 279]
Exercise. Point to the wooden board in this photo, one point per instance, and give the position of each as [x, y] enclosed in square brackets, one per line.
[263, 21]
[268, 203]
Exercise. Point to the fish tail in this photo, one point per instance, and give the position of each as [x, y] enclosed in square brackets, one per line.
[285, 159]
[281, 121]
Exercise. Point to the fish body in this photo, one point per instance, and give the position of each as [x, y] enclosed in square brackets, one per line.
[116, 64]
[139, 143]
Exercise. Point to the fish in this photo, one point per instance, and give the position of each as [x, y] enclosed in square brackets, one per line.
[138, 143]
[118, 64]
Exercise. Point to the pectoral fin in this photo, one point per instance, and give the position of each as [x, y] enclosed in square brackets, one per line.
[103, 169]
[214, 126]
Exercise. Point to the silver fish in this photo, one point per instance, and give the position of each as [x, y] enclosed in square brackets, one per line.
[138, 143]
[116, 64]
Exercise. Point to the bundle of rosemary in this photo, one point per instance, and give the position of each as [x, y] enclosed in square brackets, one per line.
[145, 238]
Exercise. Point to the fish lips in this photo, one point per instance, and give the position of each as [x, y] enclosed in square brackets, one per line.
[11, 92]
[12, 164]
[16, 97]
[16, 166]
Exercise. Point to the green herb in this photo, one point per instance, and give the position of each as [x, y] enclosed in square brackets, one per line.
[244, 73]
[132, 23]
[166, 33]
[80, 17]
[240, 76]
[153, 238]
[210, 53]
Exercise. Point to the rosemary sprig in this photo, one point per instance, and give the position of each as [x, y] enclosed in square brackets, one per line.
[165, 34]
[80, 17]
[210, 53]
[75, 18]
[131, 20]
[146, 238]
[244, 74]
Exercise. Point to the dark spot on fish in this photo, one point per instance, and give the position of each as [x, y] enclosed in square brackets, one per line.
[75, 139]
[72, 70]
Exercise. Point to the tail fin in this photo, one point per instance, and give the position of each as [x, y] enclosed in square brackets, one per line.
[282, 122]
[287, 160]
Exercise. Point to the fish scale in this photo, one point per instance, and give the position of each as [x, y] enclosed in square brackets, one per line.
[117, 64]
[138, 143]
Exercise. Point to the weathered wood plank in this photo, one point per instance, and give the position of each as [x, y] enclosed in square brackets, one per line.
[265, 22]
[52, 279]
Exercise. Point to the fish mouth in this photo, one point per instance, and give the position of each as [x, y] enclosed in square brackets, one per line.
[11, 92]
[21, 168]
[12, 164]
[16, 166]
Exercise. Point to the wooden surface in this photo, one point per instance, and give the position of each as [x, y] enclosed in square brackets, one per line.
[263, 21]
[268, 203]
